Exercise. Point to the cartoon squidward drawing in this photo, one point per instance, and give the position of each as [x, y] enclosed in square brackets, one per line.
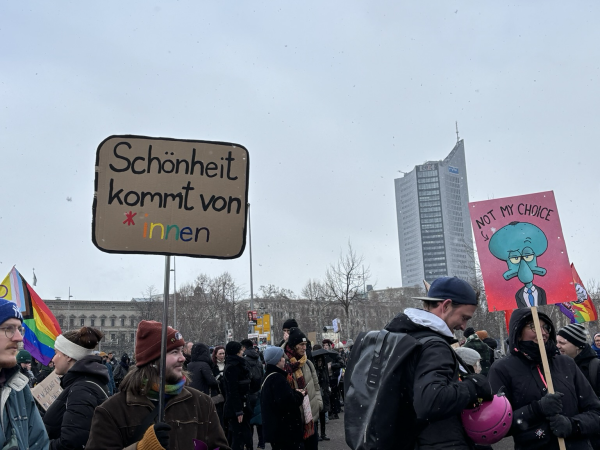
[520, 244]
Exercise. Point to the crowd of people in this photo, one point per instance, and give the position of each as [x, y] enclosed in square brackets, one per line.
[229, 397]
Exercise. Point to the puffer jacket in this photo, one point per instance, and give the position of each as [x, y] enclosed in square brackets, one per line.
[21, 421]
[69, 418]
[312, 387]
[201, 369]
[521, 377]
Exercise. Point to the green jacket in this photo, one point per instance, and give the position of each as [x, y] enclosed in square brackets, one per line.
[22, 424]
[484, 351]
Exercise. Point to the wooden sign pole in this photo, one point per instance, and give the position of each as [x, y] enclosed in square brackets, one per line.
[546, 366]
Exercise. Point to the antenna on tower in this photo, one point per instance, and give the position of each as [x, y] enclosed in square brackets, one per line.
[457, 138]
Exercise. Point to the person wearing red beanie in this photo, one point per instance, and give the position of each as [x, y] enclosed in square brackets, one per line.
[189, 414]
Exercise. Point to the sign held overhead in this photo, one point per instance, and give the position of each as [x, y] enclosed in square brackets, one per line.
[170, 197]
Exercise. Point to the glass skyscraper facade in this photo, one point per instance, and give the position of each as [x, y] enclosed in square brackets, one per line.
[434, 228]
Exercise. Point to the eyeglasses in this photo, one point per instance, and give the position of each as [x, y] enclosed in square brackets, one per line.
[11, 330]
[545, 327]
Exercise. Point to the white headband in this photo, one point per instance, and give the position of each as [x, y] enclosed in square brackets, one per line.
[71, 349]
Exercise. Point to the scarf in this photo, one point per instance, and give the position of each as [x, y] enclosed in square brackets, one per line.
[531, 350]
[293, 367]
[596, 349]
[171, 390]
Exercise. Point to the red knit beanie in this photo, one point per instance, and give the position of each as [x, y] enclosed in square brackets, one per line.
[147, 341]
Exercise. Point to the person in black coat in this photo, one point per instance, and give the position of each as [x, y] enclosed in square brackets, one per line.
[280, 405]
[572, 412]
[320, 364]
[201, 369]
[84, 382]
[237, 386]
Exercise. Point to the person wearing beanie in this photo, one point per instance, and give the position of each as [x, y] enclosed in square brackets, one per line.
[287, 326]
[24, 362]
[470, 358]
[237, 411]
[280, 404]
[189, 414]
[596, 344]
[571, 412]
[468, 332]
[21, 420]
[304, 377]
[121, 369]
[474, 342]
[200, 368]
[84, 380]
[572, 342]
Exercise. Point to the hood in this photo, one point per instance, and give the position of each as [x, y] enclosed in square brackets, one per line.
[201, 352]
[587, 354]
[417, 320]
[518, 319]
[251, 354]
[89, 366]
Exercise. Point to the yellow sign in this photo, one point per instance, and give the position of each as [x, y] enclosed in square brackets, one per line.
[266, 323]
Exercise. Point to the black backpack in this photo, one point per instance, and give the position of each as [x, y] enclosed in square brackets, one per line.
[378, 390]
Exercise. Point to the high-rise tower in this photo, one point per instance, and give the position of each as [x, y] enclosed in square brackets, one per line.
[434, 228]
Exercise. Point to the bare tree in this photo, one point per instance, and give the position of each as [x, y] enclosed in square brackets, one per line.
[314, 291]
[150, 305]
[272, 291]
[345, 281]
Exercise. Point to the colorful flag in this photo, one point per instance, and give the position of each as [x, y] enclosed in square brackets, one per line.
[41, 327]
[583, 309]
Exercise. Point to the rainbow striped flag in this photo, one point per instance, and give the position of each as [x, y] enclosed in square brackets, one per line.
[41, 327]
[583, 309]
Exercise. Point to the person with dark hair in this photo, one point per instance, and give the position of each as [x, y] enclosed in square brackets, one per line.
[200, 368]
[112, 388]
[44, 372]
[255, 367]
[84, 382]
[22, 426]
[303, 375]
[237, 386]
[539, 417]
[323, 377]
[121, 369]
[218, 394]
[280, 403]
[129, 418]
[335, 364]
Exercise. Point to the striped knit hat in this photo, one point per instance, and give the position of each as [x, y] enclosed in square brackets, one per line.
[575, 334]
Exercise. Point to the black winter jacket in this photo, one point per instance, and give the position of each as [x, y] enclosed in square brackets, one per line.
[438, 395]
[280, 406]
[583, 361]
[237, 386]
[201, 369]
[69, 419]
[255, 367]
[521, 377]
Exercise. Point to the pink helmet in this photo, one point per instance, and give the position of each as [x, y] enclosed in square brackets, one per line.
[488, 422]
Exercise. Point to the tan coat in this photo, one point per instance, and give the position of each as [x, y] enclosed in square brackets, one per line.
[312, 388]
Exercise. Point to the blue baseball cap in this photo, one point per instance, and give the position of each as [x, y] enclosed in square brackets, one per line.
[453, 288]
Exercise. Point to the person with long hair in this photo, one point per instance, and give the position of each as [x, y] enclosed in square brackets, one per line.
[130, 417]
[84, 383]
[218, 368]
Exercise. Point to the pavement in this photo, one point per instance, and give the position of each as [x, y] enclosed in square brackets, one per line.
[335, 430]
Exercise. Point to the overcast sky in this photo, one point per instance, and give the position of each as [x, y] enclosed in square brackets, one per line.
[331, 99]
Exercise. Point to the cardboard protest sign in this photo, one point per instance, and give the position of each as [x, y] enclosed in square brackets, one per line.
[522, 252]
[582, 309]
[47, 391]
[170, 197]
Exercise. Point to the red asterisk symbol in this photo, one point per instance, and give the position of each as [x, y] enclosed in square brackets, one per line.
[130, 215]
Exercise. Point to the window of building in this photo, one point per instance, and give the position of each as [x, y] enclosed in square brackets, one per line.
[102, 322]
[132, 322]
[92, 322]
[113, 336]
[82, 322]
[72, 322]
[122, 322]
[112, 322]
[132, 336]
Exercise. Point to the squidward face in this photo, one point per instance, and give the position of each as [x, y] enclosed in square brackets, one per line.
[520, 244]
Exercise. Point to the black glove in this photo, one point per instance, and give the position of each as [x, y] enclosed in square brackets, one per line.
[560, 425]
[482, 386]
[161, 430]
[549, 405]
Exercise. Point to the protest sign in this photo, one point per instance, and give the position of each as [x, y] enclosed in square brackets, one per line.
[47, 391]
[170, 197]
[522, 252]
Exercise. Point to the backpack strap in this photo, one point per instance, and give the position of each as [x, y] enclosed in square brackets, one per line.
[265, 380]
[593, 371]
[375, 369]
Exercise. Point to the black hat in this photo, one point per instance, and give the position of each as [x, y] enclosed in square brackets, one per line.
[468, 332]
[296, 337]
[453, 288]
[290, 323]
[575, 334]
[233, 348]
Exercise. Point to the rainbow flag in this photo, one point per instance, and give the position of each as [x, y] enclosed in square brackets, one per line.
[583, 309]
[41, 327]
